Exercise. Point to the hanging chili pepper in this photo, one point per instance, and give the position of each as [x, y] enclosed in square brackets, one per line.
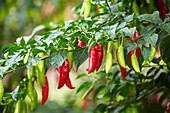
[18, 107]
[135, 63]
[153, 52]
[120, 55]
[162, 9]
[68, 83]
[34, 103]
[92, 59]
[26, 58]
[80, 44]
[168, 107]
[99, 56]
[41, 67]
[37, 72]
[64, 73]
[122, 70]
[45, 91]
[135, 8]
[86, 8]
[30, 72]
[1, 88]
[145, 62]
[70, 57]
[109, 57]
[24, 107]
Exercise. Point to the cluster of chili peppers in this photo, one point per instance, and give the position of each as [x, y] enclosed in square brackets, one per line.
[95, 58]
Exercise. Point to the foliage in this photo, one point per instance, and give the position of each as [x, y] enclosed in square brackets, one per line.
[112, 94]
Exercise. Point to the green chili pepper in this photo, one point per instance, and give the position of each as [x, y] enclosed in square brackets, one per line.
[145, 62]
[153, 52]
[18, 107]
[108, 64]
[135, 8]
[87, 8]
[1, 88]
[109, 47]
[26, 58]
[30, 72]
[34, 103]
[37, 72]
[82, 9]
[30, 90]
[24, 107]
[120, 55]
[41, 67]
[70, 57]
[135, 63]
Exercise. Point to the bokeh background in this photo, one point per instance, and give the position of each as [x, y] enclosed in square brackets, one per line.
[19, 18]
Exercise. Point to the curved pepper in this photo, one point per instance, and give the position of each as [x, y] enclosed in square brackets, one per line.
[99, 56]
[70, 57]
[135, 8]
[80, 44]
[135, 63]
[64, 73]
[68, 83]
[18, 107]
[120, 55]
[41, 67]
[153, 52]
[122, 70]
[87, 8]
[109, 62]
[1, 88]
[45, 91]
[92, 59]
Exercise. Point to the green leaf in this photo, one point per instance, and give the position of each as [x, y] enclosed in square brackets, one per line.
[100, 107]
[166, 27]
[128, 32]
[81, 75]
[79, 56]
[88, 91]
[98, 90]
[84, 85]
[57, 58]
[152, 39]
[146, 29]
[123, 24]
[160, 37]
[146, 51]
[6, 46]
[131, 46]
[129, 18]
[165, 49]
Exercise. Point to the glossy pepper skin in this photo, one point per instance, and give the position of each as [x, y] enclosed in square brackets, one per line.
[18, 107]
[120, 55]
[99, 56]
[86, 8]
[135, 63]
[68, 83]
[122, 70]
[138, 50]
[45, 91]
[163, 9]
[109, 57]
[1, 88]
[92, 59]
[64, 73]
[81, 44]
[34, 103]
[153, 52]
[41, 67]
[70, 57]
[30, 72]
[26, 58]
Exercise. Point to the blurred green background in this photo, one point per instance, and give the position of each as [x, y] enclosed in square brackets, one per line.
[19, 18]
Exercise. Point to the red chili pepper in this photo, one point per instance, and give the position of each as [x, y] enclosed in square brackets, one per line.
[163, 9]
[92, 59]
[97, 9]
[45, 91]
[122, 70]
[80, 44]
[68, 83]
[168, 107]
[138, 51]
[99, 56]
[64, 74]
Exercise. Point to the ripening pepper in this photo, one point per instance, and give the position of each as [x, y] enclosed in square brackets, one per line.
[99, 56]
[92, 59]
[45, 90]
[1, 88]
[80, 44]
[122, 70]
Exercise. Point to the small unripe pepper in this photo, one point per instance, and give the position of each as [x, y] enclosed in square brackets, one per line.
[18, 107]
[70, 57]
[34, 103]
[109, 57]
[41, 67]
[24, 107]
[1, 88]
[120, 55]
[135, 8]
[92, 59]
[30, 72]
[45, 91]
[26, 58]
[153, 52]
[99, 56]
[86, 8]
[135, 63]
